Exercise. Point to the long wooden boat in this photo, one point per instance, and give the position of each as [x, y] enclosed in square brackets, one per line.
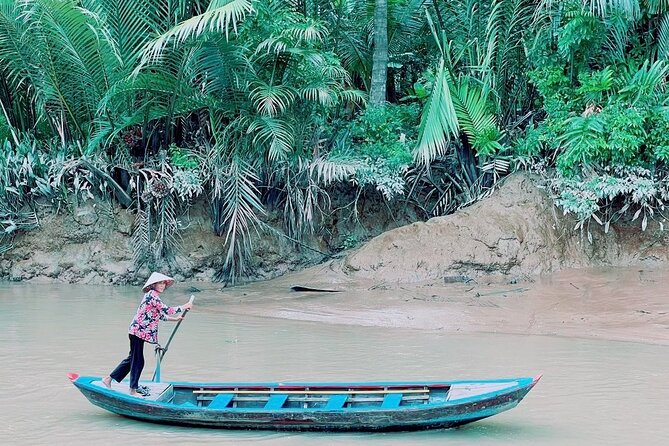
[374, 406]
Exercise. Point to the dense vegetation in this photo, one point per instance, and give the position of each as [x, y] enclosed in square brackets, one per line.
[258, 105]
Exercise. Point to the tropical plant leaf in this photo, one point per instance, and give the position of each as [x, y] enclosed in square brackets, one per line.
[240, 210]
[271, 100]
[220, 17]
[274, 134]
[439, 119]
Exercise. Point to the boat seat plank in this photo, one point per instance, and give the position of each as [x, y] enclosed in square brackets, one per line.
[221, 401]
[336, 402]
[276, 401]
[316, 399]
[313, 392]
[391, 401]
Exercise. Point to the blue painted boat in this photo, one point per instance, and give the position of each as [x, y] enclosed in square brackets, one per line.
[375, 406]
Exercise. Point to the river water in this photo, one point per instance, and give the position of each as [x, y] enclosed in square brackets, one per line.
[593, 392]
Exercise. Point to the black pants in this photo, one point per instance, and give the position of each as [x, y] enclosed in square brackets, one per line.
[134, 363]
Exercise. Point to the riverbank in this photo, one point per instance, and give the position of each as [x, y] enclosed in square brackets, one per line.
[507, 264]
[623, 304]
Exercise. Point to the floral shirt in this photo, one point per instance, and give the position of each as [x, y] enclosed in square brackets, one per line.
[150, 311]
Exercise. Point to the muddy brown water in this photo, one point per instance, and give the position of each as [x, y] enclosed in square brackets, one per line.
[593, 392]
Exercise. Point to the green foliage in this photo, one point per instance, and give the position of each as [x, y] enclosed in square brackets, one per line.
[477, 86]
[183, 158]
[602, 90]
[595, 85]
[33, 172]
[626, 135]
[165, 184]
[381, 140]
[26, 173]
[658, 135]
[349, 242]
[583, 142]
[246, 96]
[606, 117]
[582, 34]
[590, 198]
[23, 177]
[385, 133]
[5, 129]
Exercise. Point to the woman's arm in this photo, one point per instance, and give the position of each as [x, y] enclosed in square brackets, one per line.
[166, 312]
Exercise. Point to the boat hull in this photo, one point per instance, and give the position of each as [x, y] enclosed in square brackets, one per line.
[432, 413]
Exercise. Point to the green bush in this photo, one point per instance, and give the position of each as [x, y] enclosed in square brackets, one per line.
[382, 139]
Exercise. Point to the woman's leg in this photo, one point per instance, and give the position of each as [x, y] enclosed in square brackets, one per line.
[121, 370]
[136, 361]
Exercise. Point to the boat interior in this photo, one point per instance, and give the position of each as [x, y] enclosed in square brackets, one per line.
[292, 397]
[328, 398]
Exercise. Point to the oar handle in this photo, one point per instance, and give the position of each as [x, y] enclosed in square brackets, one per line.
[161, 352]
[190, 301]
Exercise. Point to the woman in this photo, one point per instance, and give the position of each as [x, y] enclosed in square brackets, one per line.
[144, 328]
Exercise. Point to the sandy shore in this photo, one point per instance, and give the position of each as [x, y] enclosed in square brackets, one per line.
[615, 304]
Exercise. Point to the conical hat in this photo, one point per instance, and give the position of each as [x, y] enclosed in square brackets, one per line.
[155, 278]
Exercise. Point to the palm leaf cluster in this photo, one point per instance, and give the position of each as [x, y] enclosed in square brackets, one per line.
[478, 97]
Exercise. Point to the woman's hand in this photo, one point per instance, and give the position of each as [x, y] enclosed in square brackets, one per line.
[187, 306]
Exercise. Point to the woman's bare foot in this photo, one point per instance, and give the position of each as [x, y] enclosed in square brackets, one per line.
[107, 381]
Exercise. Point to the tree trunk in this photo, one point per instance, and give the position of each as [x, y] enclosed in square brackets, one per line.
[377, 93]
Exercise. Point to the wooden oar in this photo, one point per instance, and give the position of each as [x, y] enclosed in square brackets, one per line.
[162, 351]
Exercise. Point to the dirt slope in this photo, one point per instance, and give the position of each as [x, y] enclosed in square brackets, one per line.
[513, 235]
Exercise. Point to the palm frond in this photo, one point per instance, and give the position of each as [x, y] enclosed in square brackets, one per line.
[474, 117]
[240, 211]
[439, 119]
[273, 133]
[130, 25]
[270, 100]
[71, 61]
[17, 58]
[603, 8]
[645, 81]
[166, 240]
[328, 171]
[318, 92]
[582, 135]
[221, 69]
[657, 6]
[141, 238]
[221, 15]
[274, 45]
[407, 24]
[355, 55]
[663, 39]
[354, 96]
[310, 31]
